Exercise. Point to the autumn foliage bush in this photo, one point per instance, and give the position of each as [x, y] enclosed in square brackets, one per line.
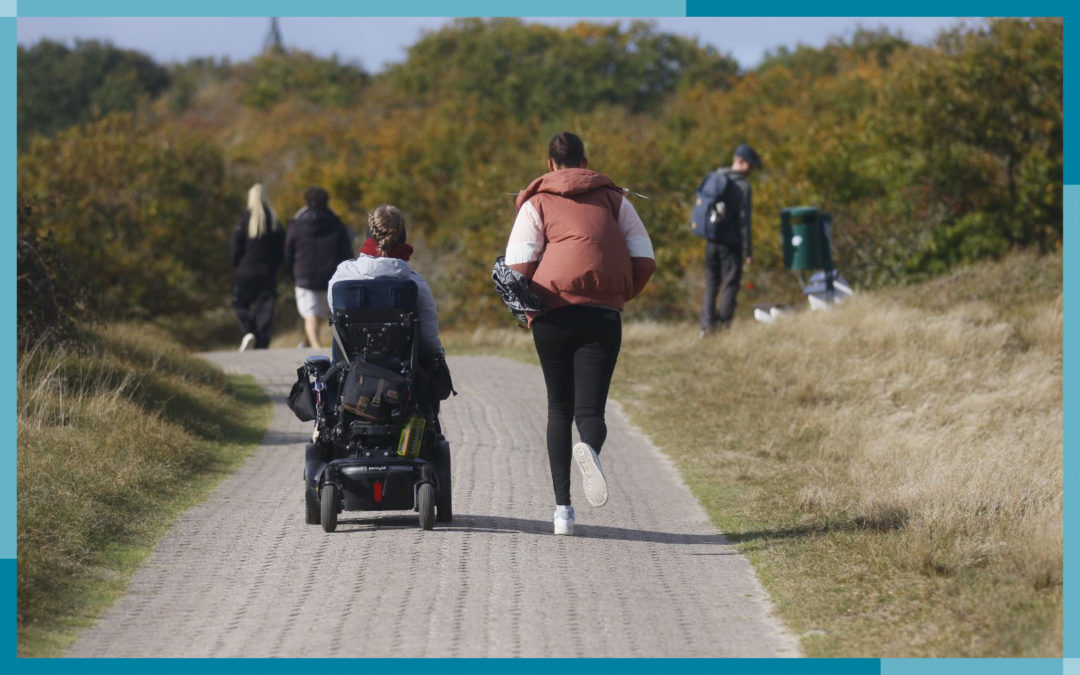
[141, 213]
[926, 156]
[49, 310]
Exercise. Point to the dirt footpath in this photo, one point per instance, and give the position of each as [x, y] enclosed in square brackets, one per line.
[646, 576]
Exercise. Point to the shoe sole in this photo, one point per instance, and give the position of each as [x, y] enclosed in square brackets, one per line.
[592, 475]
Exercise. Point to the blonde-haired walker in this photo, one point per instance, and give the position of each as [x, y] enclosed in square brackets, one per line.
[257, 245]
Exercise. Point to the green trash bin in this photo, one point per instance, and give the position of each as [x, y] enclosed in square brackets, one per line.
[806, 238]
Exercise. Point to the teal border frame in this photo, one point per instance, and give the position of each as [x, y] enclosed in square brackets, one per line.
[1068, 9]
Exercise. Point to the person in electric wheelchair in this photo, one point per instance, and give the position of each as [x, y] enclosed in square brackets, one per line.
[377, 443]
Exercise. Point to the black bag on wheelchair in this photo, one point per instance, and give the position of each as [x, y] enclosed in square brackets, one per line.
[442, 385]
[373, 392]
[301, 398]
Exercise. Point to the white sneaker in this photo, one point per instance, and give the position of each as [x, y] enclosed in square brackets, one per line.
[246, 343]
[564, 520]
[592, 474]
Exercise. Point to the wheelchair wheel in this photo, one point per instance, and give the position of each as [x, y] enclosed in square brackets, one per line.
[426, 501]
[311, 505]
[329, 507]
[444, 505]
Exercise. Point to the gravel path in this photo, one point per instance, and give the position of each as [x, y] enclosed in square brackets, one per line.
[646, 576]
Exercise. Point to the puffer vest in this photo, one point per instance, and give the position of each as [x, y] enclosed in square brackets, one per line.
[585, 258]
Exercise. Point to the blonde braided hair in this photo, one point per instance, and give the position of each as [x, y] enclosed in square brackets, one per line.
[386, 225]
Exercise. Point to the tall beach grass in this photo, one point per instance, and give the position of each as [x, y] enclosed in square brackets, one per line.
[115, 434]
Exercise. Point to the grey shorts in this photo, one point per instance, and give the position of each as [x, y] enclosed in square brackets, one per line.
[312, 303]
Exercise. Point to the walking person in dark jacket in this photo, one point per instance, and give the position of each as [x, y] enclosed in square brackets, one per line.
[257, 248]
[725, 256]
[315, 243]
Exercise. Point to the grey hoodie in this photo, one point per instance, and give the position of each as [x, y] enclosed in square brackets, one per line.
[369, 267]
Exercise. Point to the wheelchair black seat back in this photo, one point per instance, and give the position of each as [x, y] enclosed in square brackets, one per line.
[376, 320]
[398, 459]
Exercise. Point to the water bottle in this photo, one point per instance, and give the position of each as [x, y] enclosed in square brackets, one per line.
[411, 435]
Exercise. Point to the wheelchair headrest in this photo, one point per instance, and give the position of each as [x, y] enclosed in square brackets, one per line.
[382, 293]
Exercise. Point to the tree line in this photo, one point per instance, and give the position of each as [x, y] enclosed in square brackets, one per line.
[927, 156]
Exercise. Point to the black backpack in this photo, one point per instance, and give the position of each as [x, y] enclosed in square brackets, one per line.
[715, 216]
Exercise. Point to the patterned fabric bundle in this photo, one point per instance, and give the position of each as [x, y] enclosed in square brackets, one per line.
[515, 291]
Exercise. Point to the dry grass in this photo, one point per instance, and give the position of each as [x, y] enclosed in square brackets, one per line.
[115, 436]
[893, 467]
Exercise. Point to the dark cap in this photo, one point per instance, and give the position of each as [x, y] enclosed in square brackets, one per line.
[747, 153]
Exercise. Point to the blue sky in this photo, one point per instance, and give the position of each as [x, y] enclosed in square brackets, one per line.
[372, 42]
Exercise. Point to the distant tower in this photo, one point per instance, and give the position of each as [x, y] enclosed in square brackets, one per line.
[273, 42]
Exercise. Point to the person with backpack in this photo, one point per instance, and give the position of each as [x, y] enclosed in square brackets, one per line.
[586, 253]
[315, 243]
[722, 216]
[256, 247]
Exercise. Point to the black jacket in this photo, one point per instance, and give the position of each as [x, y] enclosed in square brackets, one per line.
[742, 236]
[315, 243]
[256, 258]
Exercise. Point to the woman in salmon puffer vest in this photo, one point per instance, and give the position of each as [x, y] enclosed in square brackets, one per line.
[584, 248]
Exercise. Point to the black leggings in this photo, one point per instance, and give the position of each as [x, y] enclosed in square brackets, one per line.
[253, 302]
[578, 347]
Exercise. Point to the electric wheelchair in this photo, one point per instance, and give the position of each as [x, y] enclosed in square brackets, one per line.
[383, 451]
